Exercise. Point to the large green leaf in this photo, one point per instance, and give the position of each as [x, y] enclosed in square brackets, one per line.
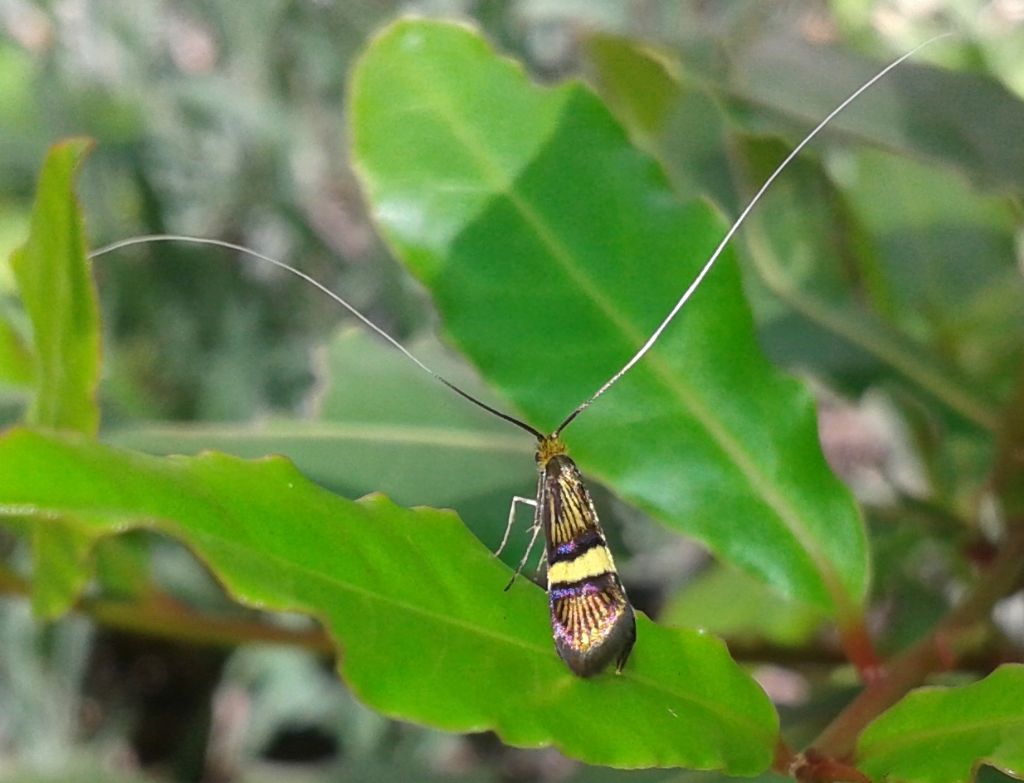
[415, 601]
[941, 735]
[553, 248]
[60, 298]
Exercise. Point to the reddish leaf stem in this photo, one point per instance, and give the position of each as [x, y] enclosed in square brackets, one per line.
[860, 651]
[932, 653]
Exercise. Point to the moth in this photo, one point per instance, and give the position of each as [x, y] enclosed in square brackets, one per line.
[591, 618]
[593, 623]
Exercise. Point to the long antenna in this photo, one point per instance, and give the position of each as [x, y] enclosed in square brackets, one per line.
[732, 230]
[150, 238]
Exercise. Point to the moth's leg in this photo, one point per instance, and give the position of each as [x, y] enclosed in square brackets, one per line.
[526, 555]
[543, 559]
[511, 520]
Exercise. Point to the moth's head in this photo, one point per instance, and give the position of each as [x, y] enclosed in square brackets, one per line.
[548, 447]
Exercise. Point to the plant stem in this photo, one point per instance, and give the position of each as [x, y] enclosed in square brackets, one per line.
[934, 652]
[975, 661]
[859, 649]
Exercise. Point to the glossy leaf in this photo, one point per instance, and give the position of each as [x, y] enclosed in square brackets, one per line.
[414, 600]
[941, 735]
[59, 296]
[553, 248]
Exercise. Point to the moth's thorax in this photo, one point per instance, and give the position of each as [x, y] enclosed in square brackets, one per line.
[549, 448]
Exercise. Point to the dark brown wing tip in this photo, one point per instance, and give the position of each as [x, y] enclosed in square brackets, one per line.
[620, 662]
[616, 647]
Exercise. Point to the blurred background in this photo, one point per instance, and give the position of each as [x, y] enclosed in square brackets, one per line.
[227, 120]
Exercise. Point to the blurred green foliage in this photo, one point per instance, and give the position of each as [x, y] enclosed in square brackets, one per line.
[226, 119]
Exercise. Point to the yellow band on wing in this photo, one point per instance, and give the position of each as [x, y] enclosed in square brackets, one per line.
[593, 562]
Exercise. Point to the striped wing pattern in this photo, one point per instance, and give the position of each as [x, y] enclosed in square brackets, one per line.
[591, 616]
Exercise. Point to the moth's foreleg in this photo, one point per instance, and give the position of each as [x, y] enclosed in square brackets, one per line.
[516, 500]
[526, 556]
[542, 561]
[533, 538]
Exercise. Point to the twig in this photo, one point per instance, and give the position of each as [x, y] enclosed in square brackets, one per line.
[932, 653]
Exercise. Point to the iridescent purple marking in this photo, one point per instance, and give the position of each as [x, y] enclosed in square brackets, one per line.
[567, 548]
[584, 589]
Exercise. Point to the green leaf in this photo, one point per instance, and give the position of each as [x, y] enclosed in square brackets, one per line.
[929, 227]
[381, 424]
[61, 555]
[965, 122]
[730, 604]
[15, 356]
[553, 248]
[805, 242]
[674, 118]
[122, 566]
[415, 601]
[58, 293]
[808, 247]
[618, 67]
[941, 735]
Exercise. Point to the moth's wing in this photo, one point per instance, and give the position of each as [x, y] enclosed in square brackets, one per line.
[591, 617]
